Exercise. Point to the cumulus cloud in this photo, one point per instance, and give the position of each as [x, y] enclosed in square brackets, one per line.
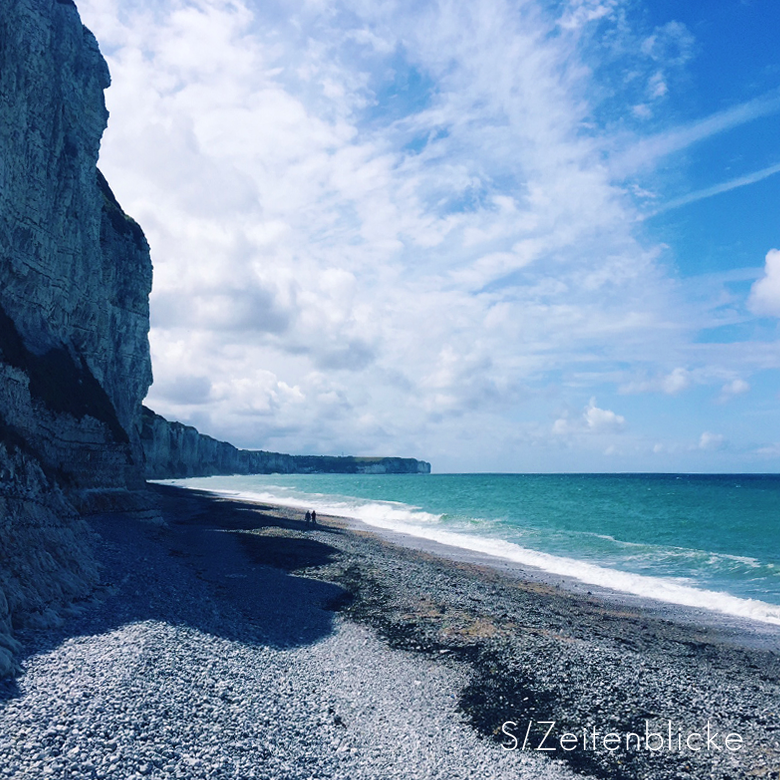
[593, 421]
[765, 293]
[676, 382]
[603, 420]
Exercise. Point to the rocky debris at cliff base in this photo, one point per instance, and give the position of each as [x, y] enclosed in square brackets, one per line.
[46, 559]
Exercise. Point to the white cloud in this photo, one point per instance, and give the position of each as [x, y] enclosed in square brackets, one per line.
[593, 421]
[669, 48]
[765, 293]
[769, 451]
[670, 44]
[642, 111]
[733, 388]
[711, 441]
[562, 426]
[675, 382]
[647, 152]
[379, 227]
[657, 87]
[708, 192]
[582, 12]
[603, 420]
[681, 379]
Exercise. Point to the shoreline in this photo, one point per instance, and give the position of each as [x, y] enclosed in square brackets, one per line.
[539, 650]
[751, 631]
[353, 655]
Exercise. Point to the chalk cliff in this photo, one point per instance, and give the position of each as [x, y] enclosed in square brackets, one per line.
[75, 276]
[174, 450]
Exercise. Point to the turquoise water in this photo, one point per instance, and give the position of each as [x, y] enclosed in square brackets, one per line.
[703, 540]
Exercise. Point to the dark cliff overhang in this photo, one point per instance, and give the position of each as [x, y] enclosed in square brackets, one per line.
[61, 384]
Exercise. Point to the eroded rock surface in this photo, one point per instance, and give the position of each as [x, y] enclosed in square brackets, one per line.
[75, 277]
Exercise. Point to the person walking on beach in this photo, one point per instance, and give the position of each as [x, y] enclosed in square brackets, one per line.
[314, 516]
[308, 517]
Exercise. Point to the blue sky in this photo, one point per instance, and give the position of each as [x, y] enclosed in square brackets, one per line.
[504, 236]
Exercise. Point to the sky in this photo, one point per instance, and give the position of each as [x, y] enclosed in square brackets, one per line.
[501, 236]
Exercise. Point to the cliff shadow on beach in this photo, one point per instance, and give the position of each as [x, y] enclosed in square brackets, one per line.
[220, 567]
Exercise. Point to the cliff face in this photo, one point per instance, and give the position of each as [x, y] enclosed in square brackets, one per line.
[75, 270]
[75, 276]
[174, 450]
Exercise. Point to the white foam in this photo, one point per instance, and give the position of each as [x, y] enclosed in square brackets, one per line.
[402, 518]
[391, 513]
[660, 588]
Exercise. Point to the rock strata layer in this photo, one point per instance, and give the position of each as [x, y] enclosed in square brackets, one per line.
[75, 277]
[173, 450]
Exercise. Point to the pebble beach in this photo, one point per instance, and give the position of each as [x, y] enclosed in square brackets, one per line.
[235, 641]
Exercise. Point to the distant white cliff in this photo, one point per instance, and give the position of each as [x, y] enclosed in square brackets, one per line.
[174, 450]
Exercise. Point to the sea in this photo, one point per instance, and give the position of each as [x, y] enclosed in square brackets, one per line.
[700, 540]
